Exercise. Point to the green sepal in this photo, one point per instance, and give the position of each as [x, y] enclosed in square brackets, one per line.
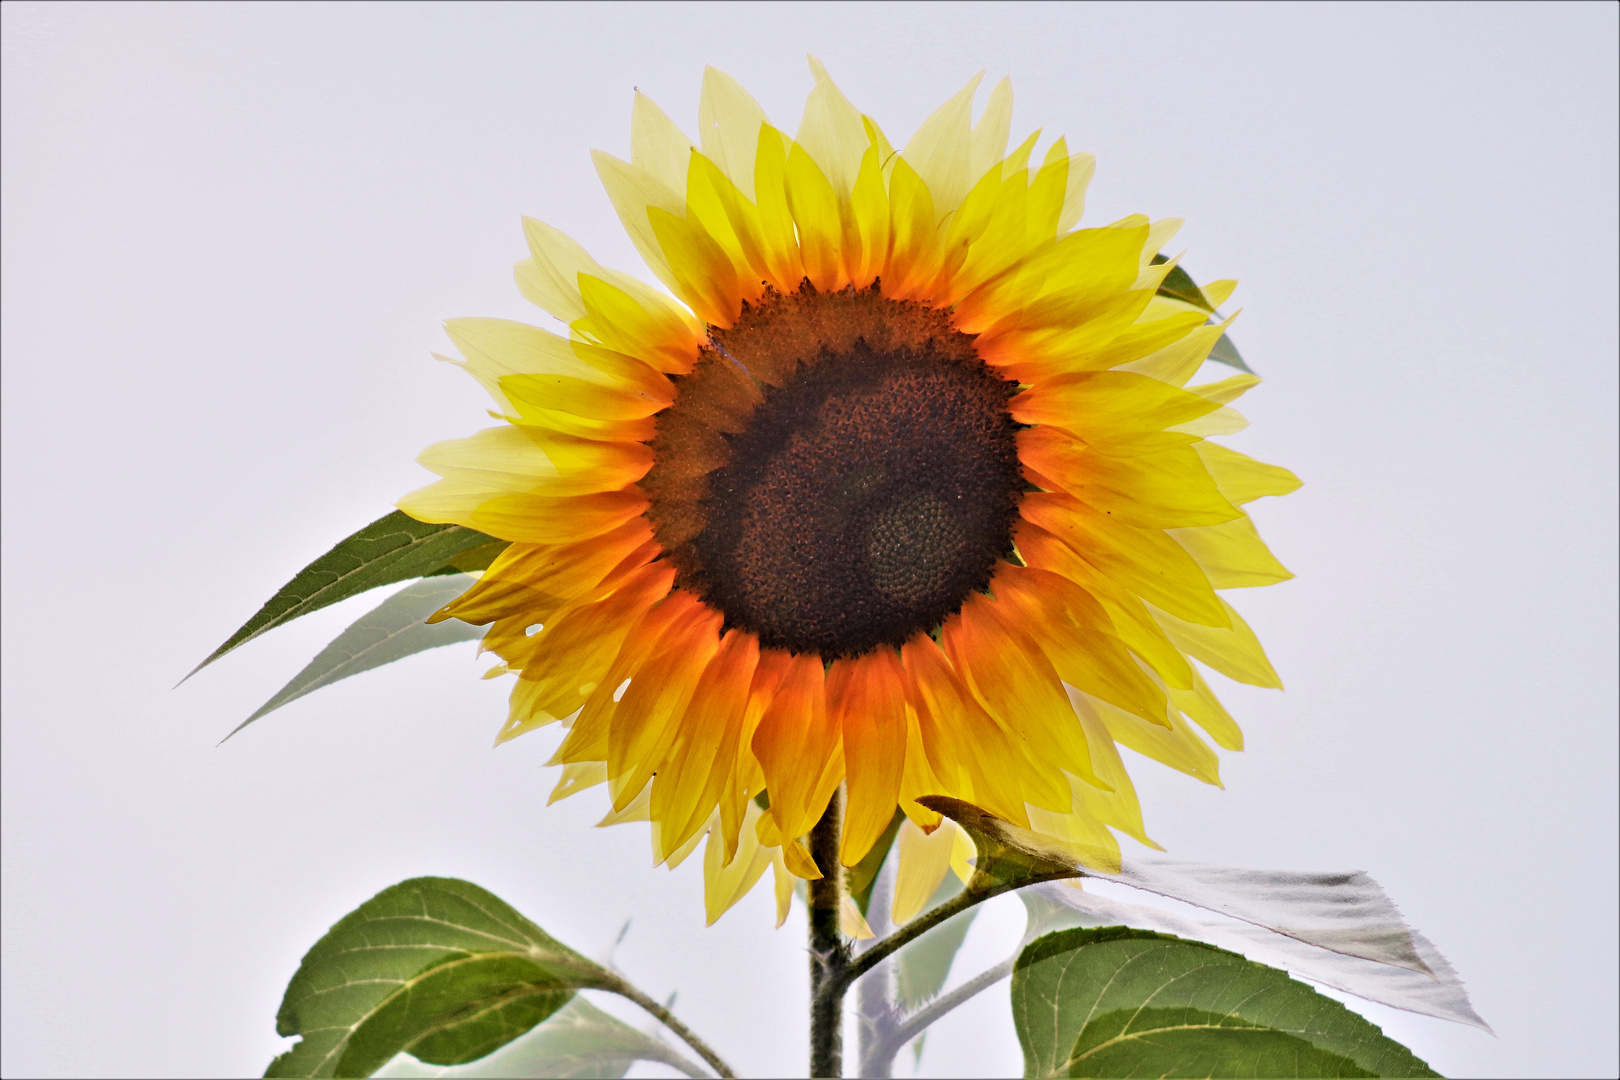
[1179, 285]
[433, 967]
[1121, 1002]
[393, 548]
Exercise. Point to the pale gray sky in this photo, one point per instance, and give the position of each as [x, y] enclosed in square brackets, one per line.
[231, 232]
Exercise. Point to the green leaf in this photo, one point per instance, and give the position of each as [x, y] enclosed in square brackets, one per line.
[393, 629]
[577, 1041]
[1122, 1002]
[1227, 353]
[922, 967]
[434, 967]
[1179, 285]
[392, 548]
[863, 875]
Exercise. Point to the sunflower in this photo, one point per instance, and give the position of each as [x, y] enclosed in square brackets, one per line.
[903, 490]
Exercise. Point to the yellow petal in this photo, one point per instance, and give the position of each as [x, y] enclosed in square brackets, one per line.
[832, 133]
[1239, 477]
[658, 146]
[1203, 707]
[989, 138]
[1231, 554]
[724, 883]
[781, 243]
[657, 333]
[632, 191]
[1233, 651]
[577, 777]
[729, 120]
[800, 748]
[815, 211]
[923, 859]
[851, 923]
[941, 150]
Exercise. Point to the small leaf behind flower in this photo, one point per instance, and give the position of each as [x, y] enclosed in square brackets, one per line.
[1179, 285]
[390, 631]
[1121, 1002]
[434, 967]
[393, 548]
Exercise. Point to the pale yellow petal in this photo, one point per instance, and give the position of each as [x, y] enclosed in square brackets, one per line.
[447, 501]
[851, 923]
[636, 809]
[1160, 233]
[1205, 709]
[1081, 169]
[832, 133]
[576, 777]
[963, 853]
[923, 860]
[729, 121]
[1178, 361]
[1234, 652]
[989, 138]
[941, 150]
[632, 191]
[1239, 477]
[1231, 554]
[725, 883]
[501, 457]
[658, 146]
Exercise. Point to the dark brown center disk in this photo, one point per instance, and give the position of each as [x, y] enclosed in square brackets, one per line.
[867, 495]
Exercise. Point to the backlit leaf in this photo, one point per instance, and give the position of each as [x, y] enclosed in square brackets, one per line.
[1179, 285]
[393, 548]
[393, 629]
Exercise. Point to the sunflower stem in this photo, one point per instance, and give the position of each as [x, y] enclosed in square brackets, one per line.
[978, 891]
[667, 1018]
[829, 955]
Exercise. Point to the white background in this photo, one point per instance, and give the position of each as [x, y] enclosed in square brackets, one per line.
[230, 234]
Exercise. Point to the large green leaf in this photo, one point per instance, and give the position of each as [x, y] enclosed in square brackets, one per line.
[577, 1042]
[393, 548]
[393, 629]
[434, 967]
[1116, 1002]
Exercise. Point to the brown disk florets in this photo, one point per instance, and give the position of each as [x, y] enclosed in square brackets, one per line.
[838, 472]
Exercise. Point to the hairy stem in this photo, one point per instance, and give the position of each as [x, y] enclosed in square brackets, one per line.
[829, 956]
[877, 1011]
[915, 1024]
[665, 1017]
[977, 892]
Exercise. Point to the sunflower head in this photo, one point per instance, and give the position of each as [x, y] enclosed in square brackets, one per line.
[901, 486]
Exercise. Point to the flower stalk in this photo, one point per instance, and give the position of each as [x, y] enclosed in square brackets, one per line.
[829, 954]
